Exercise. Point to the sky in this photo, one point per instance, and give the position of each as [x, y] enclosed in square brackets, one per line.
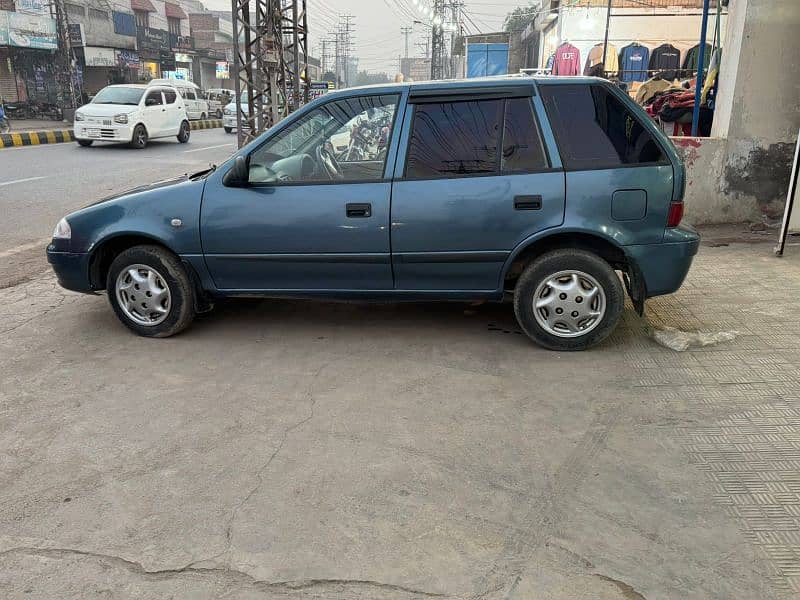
[377, 23]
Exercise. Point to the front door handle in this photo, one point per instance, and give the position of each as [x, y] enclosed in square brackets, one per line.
[359, 211]
[528, 202]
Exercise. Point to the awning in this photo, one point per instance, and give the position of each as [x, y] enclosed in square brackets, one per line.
[174, 11]
[143, 5]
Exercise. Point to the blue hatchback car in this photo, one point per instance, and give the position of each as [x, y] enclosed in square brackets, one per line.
[553, 191]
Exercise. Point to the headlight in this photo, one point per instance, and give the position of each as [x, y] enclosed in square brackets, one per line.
[227, 111]
[121, 119]
[79, 116]
[62, 231]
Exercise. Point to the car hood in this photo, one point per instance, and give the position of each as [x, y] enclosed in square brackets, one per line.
[142, 188]
[106, 110]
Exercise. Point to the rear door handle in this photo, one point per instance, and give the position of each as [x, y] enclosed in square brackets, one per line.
[359, 211]
[528, 202]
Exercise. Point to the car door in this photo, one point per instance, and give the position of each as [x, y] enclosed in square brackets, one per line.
[154, 113]
[304, 223]
[472, 182]
[175, 112]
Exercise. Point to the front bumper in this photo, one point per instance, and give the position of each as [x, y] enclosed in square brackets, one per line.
[229, 121]
[85, 130]
[664, 266]
[71, 268]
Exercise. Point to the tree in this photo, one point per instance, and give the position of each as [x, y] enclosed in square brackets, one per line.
[519, 18]
[367, 78]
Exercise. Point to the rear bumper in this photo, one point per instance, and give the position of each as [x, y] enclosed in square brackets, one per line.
[72, 270]
[664, 266]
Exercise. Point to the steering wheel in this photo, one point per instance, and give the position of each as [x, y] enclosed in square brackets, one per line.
[328, 161]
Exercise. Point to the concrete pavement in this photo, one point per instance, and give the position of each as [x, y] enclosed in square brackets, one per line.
[285, 449]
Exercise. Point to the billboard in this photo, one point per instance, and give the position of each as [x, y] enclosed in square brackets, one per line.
[28, 31]
[223, 70]
[33, 7]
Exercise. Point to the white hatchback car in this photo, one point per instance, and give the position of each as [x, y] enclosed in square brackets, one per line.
[132, 114]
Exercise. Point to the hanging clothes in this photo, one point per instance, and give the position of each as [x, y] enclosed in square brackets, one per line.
[567, 60]
[692, 60]
[666, 61]
[595, 58]
[633, 61]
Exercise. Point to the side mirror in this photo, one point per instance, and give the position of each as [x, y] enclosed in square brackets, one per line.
[239, 174]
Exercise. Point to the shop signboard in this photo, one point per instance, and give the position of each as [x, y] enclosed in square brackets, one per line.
[223, 69]
[167, 60]
[181, 42]
[30, 31]
[33, 7]
[152, 40]
[4, 29]
[76, 35]
[128, 59]
[99, 57]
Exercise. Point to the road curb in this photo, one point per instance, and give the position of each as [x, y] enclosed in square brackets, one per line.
[35, 138]
[206, 124]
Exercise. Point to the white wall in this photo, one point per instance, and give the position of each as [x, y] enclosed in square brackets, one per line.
[584, 27]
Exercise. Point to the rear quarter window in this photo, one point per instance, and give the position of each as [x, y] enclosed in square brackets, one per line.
[596, 130]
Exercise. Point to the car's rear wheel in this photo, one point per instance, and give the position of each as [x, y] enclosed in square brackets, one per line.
[203, 116]
[219, 113]
[85, 143]
[184, 133]
[150, 291]
[568, 300]
[139, 139]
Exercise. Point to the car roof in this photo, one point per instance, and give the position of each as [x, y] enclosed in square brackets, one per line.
[138, 86]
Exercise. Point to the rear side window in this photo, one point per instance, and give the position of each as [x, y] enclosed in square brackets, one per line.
[478, 137]
[454, 139]
[523, 151]
[170, 96]
[190, 95]
[595, 130]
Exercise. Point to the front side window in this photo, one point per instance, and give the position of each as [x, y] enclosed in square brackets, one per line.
[451, 139]
[344, 140]
[153, 98]
[190, 95]
[595, 130]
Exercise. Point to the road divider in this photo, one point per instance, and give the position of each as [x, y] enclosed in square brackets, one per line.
[35, 138]
[58, 136]
[206, 124]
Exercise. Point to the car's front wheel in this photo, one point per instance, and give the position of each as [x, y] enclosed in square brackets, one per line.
[150, 291]
[228, 129]
[184, 133]
[85, 143]
[139, 139]
[568, 300]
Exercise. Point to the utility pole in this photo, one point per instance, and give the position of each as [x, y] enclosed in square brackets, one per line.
[260, 28]
[406, 31]
[345, 45]
[65, 59]
[438, 51]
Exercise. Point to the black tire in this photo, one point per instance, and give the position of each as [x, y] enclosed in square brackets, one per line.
[203, 116]
[184, 133]
[177, 280]
[139, 139]
[219, 113]
[228, 129]
[85, 143]
[550, 264]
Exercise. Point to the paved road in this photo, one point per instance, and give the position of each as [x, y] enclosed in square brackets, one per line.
[40, 184]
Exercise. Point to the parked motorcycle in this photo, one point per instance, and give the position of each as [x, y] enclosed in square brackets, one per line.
[17, 110]
[46, 110]
[5, 126]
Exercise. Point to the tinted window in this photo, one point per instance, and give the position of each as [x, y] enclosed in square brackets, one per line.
[118, 95]
[170, 95]
[522, 145]
[190, 95]
[596, 130]
[153, 98]
[454, 138]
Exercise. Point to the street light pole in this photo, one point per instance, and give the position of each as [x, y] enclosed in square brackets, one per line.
[605, 40]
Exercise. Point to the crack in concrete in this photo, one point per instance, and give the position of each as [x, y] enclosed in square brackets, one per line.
[628, 592]
[263, 469]
[233, 575]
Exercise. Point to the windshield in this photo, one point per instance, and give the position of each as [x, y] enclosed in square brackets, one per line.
[119, 95]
